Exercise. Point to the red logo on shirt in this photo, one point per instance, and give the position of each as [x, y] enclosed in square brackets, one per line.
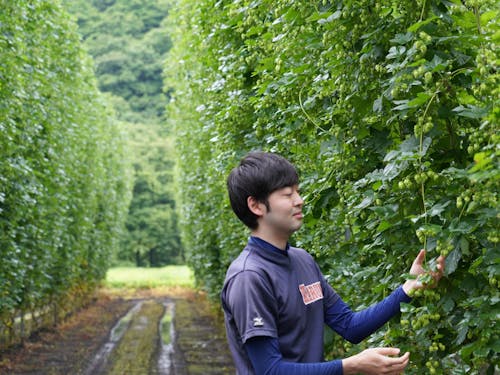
[311, 293]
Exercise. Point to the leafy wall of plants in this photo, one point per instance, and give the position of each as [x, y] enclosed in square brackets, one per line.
[64, 185]
[390, 112]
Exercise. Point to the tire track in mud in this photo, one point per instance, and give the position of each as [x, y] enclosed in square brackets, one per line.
[100, 361]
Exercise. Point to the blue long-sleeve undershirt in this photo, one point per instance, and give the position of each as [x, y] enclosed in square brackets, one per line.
[356, 326]
[266, 357]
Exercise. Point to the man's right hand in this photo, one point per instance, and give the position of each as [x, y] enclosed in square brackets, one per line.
[376, 361]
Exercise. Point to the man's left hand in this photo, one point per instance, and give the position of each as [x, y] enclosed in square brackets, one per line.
[423, 279]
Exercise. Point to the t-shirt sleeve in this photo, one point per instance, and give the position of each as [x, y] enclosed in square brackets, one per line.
[330, 296]
[252, 304]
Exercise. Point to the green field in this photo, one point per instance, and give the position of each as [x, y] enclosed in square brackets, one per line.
[138, 277]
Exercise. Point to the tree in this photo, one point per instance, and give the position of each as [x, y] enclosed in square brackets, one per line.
[152, 238]
[128, 43]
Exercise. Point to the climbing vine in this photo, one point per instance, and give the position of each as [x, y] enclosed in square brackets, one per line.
[390, 112]
[63, 175]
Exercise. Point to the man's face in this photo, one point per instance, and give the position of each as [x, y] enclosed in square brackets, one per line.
[284, 215]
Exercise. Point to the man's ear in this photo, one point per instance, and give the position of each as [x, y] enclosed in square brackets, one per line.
[258, 208]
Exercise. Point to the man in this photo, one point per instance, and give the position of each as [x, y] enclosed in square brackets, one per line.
[275, 299]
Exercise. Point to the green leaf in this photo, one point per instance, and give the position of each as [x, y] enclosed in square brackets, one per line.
[326, 198]
[413, 28]
[377, 104]
[291, 15]
[396, 52]
[438, 209]
[332, 17]
[383, 226]
[481, 160]
[437, 64]
[495, 346]
[386, 211]
[403, 38]
[462, 330]
[422, 97]
[470, 111]
[462, 226]
[489, 16]
[464, 245]
[447, 303]
[367, 201]
[452, 261]
[411, 145]
[465, 98]
[403, 104]
[466, 351]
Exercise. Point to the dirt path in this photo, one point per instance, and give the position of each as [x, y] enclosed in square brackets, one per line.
[157, 331]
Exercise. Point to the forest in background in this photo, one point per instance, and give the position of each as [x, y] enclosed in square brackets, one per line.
[128, 42]
[390, 112]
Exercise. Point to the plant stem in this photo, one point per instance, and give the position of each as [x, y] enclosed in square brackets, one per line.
[478, 19]
[423, 10]
[305, 112]
[422, 187]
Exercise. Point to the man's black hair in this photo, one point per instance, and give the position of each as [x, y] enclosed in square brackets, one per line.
[258, 175]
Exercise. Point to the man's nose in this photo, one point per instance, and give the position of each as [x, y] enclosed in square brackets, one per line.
[298, 200]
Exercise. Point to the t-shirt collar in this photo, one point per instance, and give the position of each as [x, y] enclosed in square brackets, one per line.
[256, 241]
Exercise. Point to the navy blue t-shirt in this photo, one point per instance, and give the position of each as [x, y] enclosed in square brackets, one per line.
[278, 294]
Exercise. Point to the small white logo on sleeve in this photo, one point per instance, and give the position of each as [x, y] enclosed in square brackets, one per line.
[258, 322]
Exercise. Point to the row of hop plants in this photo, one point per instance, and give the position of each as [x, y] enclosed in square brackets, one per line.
[390, 111]
[64, 186]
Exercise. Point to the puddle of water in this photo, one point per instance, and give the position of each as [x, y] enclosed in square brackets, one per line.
[167, 334]
[121, 326]
[99, 362]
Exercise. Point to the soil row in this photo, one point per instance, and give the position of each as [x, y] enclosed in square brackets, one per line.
[156, 331]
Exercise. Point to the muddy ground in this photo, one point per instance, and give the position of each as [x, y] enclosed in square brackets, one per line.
[162, 331]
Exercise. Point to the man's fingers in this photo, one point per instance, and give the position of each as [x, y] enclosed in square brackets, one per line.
[383, 361]
[440, 268]
[441, 263]
[397, 365]
[388, 351]
[395, 361]
[420, 257]
[405, 357]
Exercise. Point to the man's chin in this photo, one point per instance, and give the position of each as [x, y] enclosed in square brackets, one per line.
[297, 227]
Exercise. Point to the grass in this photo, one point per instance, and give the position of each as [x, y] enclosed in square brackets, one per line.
[137, 277]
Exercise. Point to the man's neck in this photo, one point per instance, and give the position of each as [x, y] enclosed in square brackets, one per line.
[278, 241]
